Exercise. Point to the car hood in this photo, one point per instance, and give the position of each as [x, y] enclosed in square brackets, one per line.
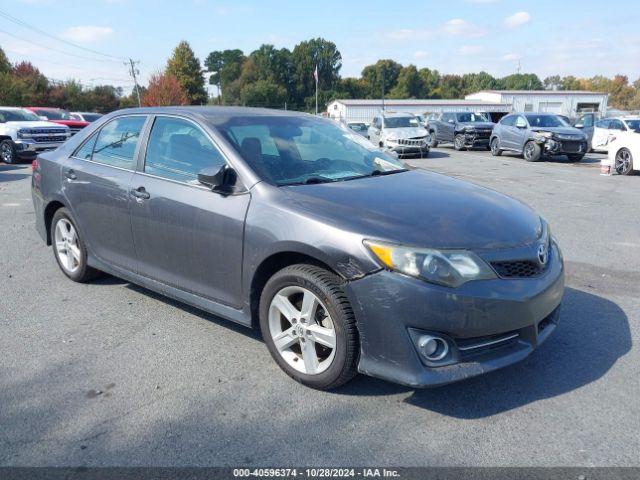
[38, 124]
[477, 124]
[419, 208]
[560, 130]
[406, 132]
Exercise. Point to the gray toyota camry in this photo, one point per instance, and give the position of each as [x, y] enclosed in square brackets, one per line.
[347, 260]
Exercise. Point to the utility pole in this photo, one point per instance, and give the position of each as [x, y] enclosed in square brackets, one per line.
[133, 71]
[383, 89]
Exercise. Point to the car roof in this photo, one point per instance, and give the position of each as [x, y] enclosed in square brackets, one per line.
[11, 108]
[397, 114]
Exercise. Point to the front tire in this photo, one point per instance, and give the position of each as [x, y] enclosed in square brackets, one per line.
[623, 162]
[8, 152]
[495, 147]
[532, 151]
[69, 249]
[458, 142]
[309, 326]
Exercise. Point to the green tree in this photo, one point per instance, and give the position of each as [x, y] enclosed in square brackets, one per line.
[225, 67]
[430, 81]
[185, 66]
[12, 90]
[5, 64]
[474, 82]
[353, 88]
[263, 93]
[409, 84]
[305, 57]
[36, 85]
[373, 75]
[553, 82]
[450, 86]
[522, 81]
[569, 83]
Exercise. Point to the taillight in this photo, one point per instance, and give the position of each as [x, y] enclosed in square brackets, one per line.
[34, 165]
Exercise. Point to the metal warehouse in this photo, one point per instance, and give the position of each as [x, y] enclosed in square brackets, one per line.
[561, 102]
[365, 110]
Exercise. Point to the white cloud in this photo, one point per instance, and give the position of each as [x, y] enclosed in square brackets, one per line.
[420, 54]
[517, 19]
[470, 50]
[87, 33]
[460, 27]
[509, 57]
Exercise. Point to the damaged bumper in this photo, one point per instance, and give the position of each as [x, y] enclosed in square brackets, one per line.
[486, 324]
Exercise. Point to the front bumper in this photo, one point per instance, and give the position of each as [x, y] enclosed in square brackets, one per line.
[26, 148]
[472, 139]
[565, 147]
[407, 150]
[489, 323]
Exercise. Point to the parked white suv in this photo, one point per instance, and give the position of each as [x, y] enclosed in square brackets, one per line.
[23, 135]
[400, 133]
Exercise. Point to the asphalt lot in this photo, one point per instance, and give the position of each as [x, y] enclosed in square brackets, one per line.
[111, 374]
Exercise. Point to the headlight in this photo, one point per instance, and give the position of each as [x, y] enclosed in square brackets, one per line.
[22, 133]
[450, 268]
[542, 135]
[392, 139]
[469, 128]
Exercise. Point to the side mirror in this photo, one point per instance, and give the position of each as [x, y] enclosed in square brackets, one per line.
[579, 125]
[221, 181]
[451, 120]
[521, 126]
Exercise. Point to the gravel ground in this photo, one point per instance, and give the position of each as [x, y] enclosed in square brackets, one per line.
[111, 374]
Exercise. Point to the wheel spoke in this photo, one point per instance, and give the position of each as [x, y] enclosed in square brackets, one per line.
[285, 307]
[68, 258]
[285, 339]
[309, 357]
[309, 306]
[74, 251]
[61, 230]
[60, 247]
[323, 336]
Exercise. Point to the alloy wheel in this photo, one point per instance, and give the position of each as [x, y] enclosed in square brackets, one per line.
[623, 162]
[6, 152]
[529, 151]
[67, 248]
[495, 147]
[302, 330]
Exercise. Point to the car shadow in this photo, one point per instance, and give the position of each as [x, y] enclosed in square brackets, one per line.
[12, 177]
[593, 333]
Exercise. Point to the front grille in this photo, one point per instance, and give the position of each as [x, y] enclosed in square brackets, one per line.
[573, 147]
[482, 134]
[49, 139]
[469, 347]
[517, 269]
[75, 130]
[412, 142]
[46, 131]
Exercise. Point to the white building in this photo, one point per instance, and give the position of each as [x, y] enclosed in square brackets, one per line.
[561, 102]
[365, 110]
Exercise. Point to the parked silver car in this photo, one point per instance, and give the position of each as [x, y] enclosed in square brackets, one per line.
[400, 133]
[536, 134]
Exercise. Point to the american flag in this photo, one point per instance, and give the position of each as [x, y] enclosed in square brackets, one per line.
[315, 73]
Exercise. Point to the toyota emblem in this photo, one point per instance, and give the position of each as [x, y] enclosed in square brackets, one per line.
[543, 254]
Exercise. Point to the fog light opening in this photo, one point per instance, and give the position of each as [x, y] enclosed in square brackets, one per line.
[433, 348]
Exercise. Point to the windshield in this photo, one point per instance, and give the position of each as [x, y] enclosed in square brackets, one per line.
[472, 117]
[633, 125]
[358, 127]
[55, 114]
[295, 150]
[17, 116]
[546, 121]
[400, 122]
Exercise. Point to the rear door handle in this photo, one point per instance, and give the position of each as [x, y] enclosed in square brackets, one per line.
[140, 193]
[70, 174]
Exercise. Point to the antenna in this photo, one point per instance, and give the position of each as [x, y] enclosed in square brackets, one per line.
[133, 71]
[519, 67]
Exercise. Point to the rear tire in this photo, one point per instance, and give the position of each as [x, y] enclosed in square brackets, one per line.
[69, 249]
[623, 163]
[8, 152]
[434, 142]
[458, 142]
[305, 310]
[495, 147]
[532, 151]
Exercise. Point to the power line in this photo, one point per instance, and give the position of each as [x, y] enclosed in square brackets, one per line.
[42, 32]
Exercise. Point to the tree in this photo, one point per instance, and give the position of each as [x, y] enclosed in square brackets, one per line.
[308, 55]
[36, 85]
[184, 66]
[409, 84]
[225, 67]
[5, 64]
[430, 81]
[553, 82]
[164, 89]
[353, 88]
[474, 82]
[263, 93]
[522, 81]
[450, 86]
[373, 75]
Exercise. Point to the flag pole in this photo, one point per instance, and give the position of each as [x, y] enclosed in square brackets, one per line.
[315, 74]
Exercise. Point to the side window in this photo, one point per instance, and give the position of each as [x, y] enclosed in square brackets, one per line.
[602, 124]
[179, 150]
[587, 121]
[508, 121]
[86, 149]
[117, 141]
[616, 125]
[520, 122]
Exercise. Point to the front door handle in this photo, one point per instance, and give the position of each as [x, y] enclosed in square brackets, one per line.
[70, 174]
[140, 193]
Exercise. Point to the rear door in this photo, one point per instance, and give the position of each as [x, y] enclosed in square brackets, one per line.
[506, 132]
[520, 133]
[96, 183]
[446, 127]
[586, 124]
[186, 235]
[600, 134]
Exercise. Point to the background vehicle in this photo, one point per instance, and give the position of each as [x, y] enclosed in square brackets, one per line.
[606, 128]
[359, 127]
[279, 219]
[86, 116]
[536, 134]
[624, 152]
[23, 135]
[400, 133]
[463, 129]
[58, 115]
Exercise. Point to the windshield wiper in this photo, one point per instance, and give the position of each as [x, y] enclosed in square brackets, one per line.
[311, 181]
[377, 172]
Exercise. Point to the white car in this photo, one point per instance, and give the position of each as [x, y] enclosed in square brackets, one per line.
[400, 133]
[607, 128]
[624, 152]
[23, 135]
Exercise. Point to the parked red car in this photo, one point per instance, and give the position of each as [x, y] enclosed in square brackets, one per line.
[58, 115]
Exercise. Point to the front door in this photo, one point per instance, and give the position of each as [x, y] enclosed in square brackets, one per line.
[186, 235]
[96, 182]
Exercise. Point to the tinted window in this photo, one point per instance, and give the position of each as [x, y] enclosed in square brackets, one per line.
[520, 122]
[400, 122]
[602, 124]
[468, 117]
[546, 121]
[634, 125]
[179, 150]
[446, 117]
[17, 116]
[86, 149]
[616, 125]
[117, 142]
[587, 121]
[55, 114]
[508, 121]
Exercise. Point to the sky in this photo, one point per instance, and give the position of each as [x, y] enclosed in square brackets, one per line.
[546, 37]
